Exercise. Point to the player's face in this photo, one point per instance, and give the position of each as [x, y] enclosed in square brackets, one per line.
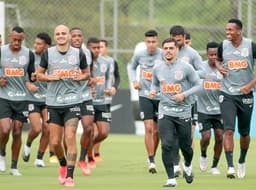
[61, 35]
[103, 49]
[94, 48]
[212, 56]
[76, 38]
[169, 51]
[40, 45]
[232, 31]
[180, 39]
[151, 43]
[16, 40]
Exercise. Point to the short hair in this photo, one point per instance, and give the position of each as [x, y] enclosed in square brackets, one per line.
[18, 29]
[169, 40]
[104, 41]
[212, 45]
[177, 30]
[75, 28]
[237, 22]
[45, 37]
[93, 40]
[151, 33]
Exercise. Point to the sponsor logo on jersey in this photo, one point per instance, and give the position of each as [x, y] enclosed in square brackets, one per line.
[208, 85]
[170, 88]
[103, 68]
[22, 60]
[241, 64]
[147, 75]
[100, 80]
[16, 72]
[245, 52]
[178, 75]
[67, 73]
[72, 60]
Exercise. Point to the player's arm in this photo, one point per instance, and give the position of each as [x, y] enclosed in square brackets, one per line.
[134, 65]
[3, 81]
[219, 61]
[155, 84]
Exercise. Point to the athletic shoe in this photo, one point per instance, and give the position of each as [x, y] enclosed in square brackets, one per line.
[26, 153]
[39, 163]
[98, 159]
[15, 172]
[69, 182]
[170, 183]
[176, 169]
[215, 171]
[2, 163]
[91, 164]
[231, 173]
[187, 173]
[83, 166]
[203, 163]
[53, 159]
[62, 174]
[152, 168]
[241, 170]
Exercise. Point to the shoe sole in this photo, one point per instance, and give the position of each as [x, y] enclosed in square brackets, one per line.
[231, 176]
[152, 170]
[189, 179]
[169, 185]
[26, 158]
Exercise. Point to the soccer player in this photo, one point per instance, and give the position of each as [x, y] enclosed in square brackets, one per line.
[188, 39]
[87, 110]
[148, 107]
[66, 67]
[36, 107]
[176, 80]
[209, 115]
[191, 56]
[17, 66]
[236, 54]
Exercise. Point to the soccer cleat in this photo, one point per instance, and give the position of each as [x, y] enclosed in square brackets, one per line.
[83, 166]
[91, 164]
[26, 153]
[188, 174]
[241, 170]
[231, 173]
[176, 170]
[2, 163]
[170, 183]
[39, 163]
[203, 163]
[69, 182]
[152, 168]
[53, 159]
[62, 174]
[15, 172]
[215, 171]
[98, 159]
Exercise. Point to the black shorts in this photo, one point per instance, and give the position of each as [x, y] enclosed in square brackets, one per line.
[148, 108]
[102, 113]
[60, 115]
[236, 106]
[87, 108]
[16, 110]
[36, 107]
[194, 114]
[206, 122]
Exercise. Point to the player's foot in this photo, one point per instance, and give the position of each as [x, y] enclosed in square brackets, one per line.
[152, 168]
[15, 172]
[241, 170]
[53, 159]
[170, 183]
[98, 159]
[26, 153]
[215, 171]
[83, 166]
[203, 163]
[231, 173]
[69, 182]
[39, 163]
[62, 174]
[2, 163]
[187, 173]
[91, 164]
[176, 170]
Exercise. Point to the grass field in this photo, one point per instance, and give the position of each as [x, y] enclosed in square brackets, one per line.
[125, 168]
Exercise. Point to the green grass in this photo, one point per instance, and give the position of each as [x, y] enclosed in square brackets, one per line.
[125, 168]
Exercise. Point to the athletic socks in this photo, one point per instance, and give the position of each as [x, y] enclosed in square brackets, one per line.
[83, 154]
[63, 161]
[40, 155]
[151, 159]
[203, 153]
[243, 153]
[70, 171]
[215, 162]
[229, 158]
[14, 164]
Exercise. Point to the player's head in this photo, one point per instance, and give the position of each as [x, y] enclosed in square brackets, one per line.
[42, 41]
[62, 35]
[170, 49]
[103, 47]
[188, 40]
[234, 29]
[211, 51]
[77, 37]
[178, 33]
[151, 40]
[16, 37]
[93, 44]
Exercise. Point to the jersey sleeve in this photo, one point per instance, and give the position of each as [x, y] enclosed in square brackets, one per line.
[44, 60]
[83, 62]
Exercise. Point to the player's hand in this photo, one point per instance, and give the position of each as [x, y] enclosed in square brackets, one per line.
[33, 76]
[108, 92]
[152, 94]
[136, 85]
[222, 70]
[178, 97]
[246, 89]
[93, 92]
[54, 77]
[92, 82]
[3, 81]
[31, 87]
